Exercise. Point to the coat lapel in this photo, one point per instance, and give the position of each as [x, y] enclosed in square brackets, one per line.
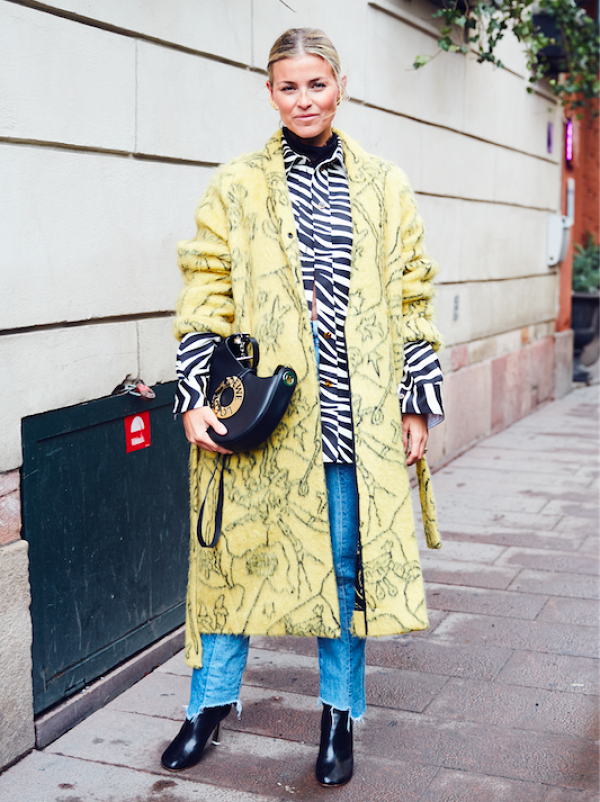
[280, 207]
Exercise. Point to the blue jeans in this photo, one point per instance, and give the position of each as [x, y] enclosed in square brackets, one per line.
[341, 660]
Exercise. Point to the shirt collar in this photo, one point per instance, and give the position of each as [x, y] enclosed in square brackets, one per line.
[292, 159]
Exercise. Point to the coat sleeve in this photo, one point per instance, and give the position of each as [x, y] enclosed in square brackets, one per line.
[417, 269]
[205, 303]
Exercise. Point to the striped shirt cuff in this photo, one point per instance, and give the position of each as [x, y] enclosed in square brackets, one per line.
[420, 390]
[193, 370]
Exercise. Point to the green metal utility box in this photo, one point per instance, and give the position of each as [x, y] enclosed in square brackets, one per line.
[105, 512]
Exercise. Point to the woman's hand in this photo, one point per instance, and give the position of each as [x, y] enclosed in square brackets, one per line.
[414, 436]
[196, 423]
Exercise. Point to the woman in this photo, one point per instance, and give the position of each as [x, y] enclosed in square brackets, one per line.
[315, 248]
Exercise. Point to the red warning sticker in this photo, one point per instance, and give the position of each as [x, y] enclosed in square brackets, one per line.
[137, 431]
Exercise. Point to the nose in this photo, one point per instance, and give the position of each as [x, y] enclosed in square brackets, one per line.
[303, 99]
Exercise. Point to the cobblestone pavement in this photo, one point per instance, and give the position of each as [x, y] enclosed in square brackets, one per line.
[496, 702]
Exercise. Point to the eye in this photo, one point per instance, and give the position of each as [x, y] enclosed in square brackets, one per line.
[320, 85]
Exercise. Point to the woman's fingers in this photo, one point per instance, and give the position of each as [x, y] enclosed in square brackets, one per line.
[196, 423]
[414, 436]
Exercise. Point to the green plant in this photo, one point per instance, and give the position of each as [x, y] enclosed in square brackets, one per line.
[479, 25]
[586, 266]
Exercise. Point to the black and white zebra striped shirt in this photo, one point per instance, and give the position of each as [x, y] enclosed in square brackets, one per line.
[321, 203]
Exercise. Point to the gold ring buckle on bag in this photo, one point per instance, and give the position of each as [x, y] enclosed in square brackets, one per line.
[224, 411]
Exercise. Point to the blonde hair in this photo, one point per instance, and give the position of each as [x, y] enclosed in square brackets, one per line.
[311, 41]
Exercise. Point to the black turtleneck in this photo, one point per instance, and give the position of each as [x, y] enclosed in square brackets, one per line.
[316, 153]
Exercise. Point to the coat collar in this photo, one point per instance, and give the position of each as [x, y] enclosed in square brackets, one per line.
[357, 161]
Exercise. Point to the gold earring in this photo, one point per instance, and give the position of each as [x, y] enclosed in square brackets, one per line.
[272, 102]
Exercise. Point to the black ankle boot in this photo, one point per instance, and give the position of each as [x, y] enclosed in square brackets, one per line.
[187, 748]
[335, 761]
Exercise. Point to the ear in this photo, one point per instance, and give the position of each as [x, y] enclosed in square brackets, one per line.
[343, 82]
[271, 97]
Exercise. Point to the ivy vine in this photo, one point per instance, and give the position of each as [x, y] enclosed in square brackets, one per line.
[479, 25]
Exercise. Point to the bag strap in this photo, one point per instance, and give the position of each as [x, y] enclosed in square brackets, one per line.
[219, 509]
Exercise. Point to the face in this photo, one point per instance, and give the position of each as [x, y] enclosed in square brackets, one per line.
[306, 92]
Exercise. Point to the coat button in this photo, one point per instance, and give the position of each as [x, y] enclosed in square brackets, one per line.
[328, 383]
[290, 235]
[327, 335]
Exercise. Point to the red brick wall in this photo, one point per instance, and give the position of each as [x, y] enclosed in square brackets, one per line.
[586, 173]
[585, 169]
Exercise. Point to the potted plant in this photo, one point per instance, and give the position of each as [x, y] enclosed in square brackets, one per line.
[560, 39]
[585, 310]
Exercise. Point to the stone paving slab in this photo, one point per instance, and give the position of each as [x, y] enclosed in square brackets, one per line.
[577, 586]
[496, 702]
[486, 553]
[452, 658]
[549, 560]
[578, 509]
[160, 695]
[578, 525]
[464, 599]
[463, 503]
[505, 460]
[515, 536]
[436, 569]
[537, 636]
[591, 547]
[587, 475]
[458, 786]
[555, 671]
[386, 686]
[582, 612]
[484, 748]
[45, 777]
[176, 665]
[459, 477]
[517, 707]
[519, 520]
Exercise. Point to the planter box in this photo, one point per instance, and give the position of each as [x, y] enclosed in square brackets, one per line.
[585, 317]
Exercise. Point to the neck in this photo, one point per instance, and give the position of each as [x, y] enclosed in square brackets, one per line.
[306, 147]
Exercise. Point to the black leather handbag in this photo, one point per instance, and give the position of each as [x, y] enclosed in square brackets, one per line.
[250, 406]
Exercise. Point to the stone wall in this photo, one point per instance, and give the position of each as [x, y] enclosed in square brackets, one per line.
[113, 116]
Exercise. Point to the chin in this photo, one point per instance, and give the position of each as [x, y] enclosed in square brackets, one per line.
[309, 131]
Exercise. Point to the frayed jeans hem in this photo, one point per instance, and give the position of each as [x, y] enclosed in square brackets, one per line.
[235, 702]
[355, 719]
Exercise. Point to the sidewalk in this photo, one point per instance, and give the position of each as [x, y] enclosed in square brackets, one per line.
[496, 702]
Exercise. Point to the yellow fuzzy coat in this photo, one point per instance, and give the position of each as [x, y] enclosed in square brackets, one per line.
[272, 571]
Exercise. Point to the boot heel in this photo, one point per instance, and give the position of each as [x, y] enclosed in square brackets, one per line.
[188, 746]
[216, 738]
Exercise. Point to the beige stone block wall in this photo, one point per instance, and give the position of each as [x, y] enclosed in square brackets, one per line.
[179, 112]
[220, 29]
[85, 96]
[17, 734]
[93, 237]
